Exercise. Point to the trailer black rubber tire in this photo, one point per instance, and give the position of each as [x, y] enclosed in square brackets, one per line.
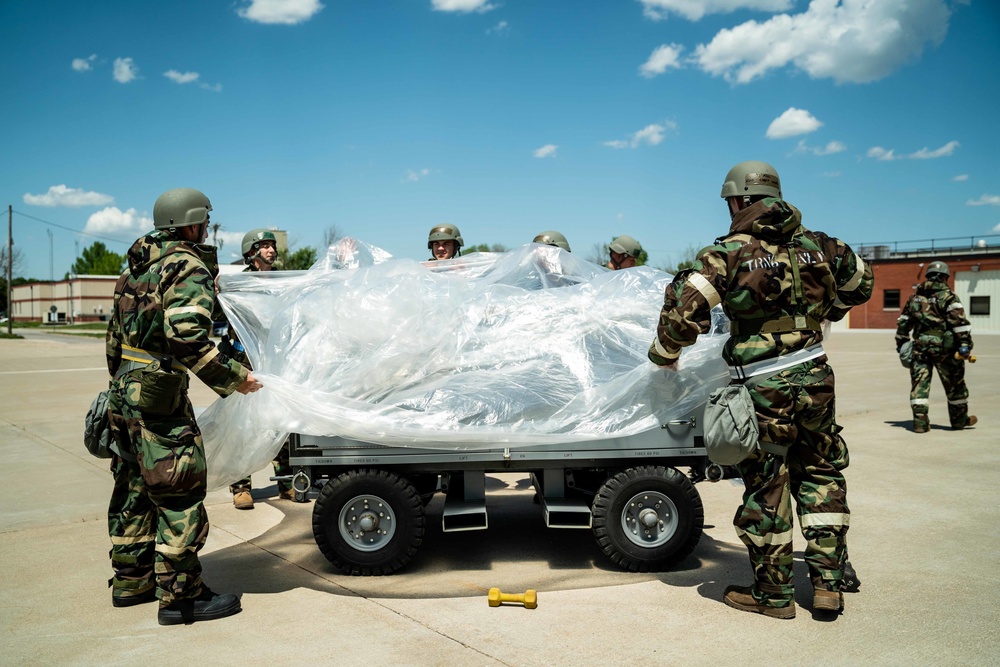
[394, 491]
[609, 511]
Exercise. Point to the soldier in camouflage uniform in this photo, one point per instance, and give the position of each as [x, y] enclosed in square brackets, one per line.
[623, 252]
[777, 281]
[942, 339]
[445, 242]
[553, 238]
[158, 332]
[260, 249]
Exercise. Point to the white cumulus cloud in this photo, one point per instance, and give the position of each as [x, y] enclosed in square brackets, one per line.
[125, 70]
[84, 64]
[181, 77]
[831, 148]
[693, 10]
[281, 12]
[191, 77]
[663, 57]
[60, 195]
[791, 123]
[925, 154]
[855, 41]
[651, 135]
[961, 177]
[414, 175]
[501, 28]
[463, 6]
[880, 153]
[887, 155]
[548, 150]
[985, 200]
[113, 222]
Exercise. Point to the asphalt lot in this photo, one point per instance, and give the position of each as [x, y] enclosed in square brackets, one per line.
[924, 538]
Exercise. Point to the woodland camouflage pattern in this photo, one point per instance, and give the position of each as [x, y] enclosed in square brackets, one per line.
[163, 305]
[749, 273]
[935, 319]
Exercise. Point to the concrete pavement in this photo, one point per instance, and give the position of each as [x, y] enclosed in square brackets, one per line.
[924, 538]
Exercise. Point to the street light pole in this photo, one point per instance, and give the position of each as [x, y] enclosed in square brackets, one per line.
[10, 268]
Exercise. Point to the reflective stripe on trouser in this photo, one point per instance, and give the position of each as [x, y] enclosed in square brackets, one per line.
[952, 372]
[157, 520]
[795, 408]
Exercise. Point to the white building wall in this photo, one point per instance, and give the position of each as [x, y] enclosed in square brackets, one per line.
[980, 283]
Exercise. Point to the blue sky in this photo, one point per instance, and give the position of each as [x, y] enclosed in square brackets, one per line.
[505, 117]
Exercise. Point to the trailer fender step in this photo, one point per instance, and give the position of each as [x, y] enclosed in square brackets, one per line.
[566, 513]
[459, 515]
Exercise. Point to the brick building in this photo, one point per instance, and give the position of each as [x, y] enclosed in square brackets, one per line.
[975, 278]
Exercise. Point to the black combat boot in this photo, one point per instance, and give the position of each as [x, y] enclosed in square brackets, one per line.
[206, 607]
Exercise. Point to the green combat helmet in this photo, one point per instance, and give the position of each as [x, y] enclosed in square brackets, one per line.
[752, 178]
[181, 207]
[445, 232]
[626, 245]
[937, 268]
[553, 238]
[253, 239]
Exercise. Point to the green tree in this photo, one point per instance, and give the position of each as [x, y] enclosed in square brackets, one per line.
[97, 260]
[18, 258]
[297, 260]
[687, 260]
[484, 247]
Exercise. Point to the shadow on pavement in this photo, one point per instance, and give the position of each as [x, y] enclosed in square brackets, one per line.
[516, 552]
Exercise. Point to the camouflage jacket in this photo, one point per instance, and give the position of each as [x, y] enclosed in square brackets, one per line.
[750, 273]
[163, 305]
[936, 319]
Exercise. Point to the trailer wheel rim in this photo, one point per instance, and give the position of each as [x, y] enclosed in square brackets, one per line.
[367, 522]
[649, 519]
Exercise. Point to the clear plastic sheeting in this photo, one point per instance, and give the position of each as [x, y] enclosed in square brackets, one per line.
[529, 347]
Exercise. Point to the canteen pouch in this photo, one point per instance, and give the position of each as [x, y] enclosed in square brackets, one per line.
[906, 354]
[731, 430]
[160, 391]
[97, 427]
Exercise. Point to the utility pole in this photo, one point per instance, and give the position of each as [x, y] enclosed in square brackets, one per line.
[10, 267]
[52, 274]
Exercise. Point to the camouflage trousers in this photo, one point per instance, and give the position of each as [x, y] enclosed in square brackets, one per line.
[281, 468]
[795, 408]
[156, 519]
[952, 372]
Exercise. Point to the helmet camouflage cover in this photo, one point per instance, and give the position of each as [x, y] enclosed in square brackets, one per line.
[553, 238]
[444, 232]
[253, 239]
[626, 245]
[180, 207]
[752, 178]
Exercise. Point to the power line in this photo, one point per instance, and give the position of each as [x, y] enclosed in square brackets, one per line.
[75, 231]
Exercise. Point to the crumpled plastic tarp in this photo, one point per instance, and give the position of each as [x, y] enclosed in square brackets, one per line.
[529, 347]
